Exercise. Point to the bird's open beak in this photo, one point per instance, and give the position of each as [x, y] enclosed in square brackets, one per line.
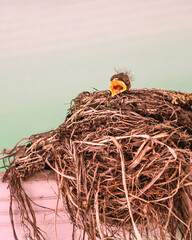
[117, 87]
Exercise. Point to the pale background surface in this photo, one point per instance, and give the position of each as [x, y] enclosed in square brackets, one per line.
[52, 50]
[42, 189]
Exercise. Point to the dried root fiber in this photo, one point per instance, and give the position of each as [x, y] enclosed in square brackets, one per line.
[123, 164]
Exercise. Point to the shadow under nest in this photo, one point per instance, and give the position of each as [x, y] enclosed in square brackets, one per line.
[123, 164]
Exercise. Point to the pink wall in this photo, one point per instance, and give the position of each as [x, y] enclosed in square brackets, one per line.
[42, 190]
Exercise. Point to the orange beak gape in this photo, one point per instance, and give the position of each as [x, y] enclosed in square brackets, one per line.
[117, 87]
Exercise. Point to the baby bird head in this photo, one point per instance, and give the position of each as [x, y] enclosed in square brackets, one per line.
[120, 82]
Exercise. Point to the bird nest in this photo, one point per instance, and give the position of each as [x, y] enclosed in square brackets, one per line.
[123, 164]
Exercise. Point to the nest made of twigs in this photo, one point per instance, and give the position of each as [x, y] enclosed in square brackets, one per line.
[124, 165]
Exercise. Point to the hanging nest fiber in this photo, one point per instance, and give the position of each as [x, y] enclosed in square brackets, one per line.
[123, 164]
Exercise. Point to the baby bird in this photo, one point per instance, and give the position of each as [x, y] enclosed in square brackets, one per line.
[120, 82]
